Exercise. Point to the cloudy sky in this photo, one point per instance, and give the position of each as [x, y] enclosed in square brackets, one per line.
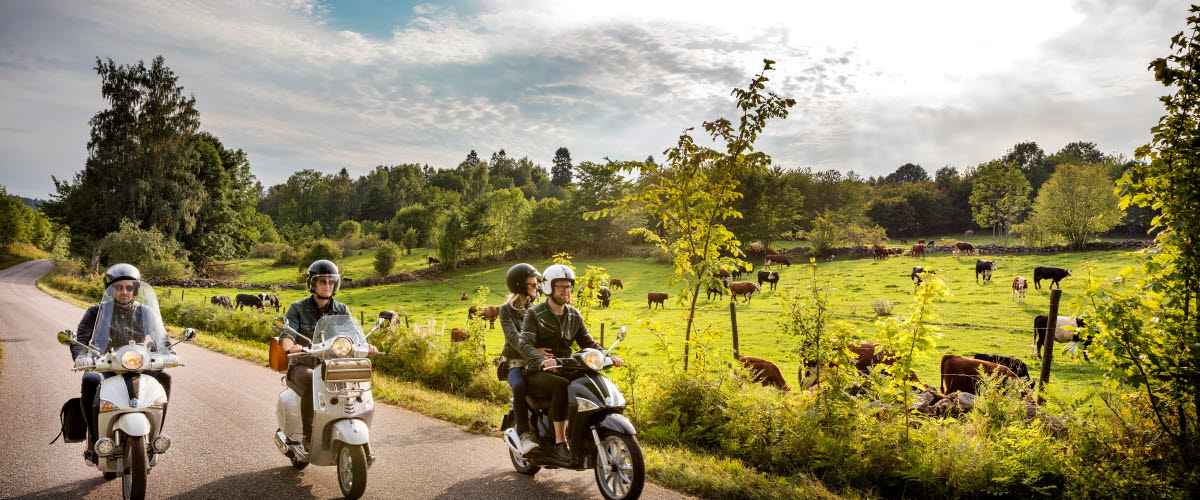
[358, 83]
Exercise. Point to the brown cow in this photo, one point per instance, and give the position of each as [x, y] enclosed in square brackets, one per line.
[879, 252]
[1019, 287]
[458, 335]
[490, 313]
[922, 241]
[464, 297]
[867, 355]
[655, 298]
[895, 251]
[963, 246]
[918, 250]
[743, 289]
[432, 260]
[962, 374]
[780, 259]
[615, 284]
[764, 372]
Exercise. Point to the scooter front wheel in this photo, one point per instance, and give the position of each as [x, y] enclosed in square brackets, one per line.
[352, 470]
[622, 472]
[133, 483]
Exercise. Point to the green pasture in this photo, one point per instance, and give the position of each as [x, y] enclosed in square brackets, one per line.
[359, 265]
[976, 318]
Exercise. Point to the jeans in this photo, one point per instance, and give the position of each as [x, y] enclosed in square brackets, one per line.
[549, 385]
[301, 376]
[516, 380]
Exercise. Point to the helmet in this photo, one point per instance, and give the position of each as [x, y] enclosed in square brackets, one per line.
[323, 268]
[557, 272]
[517, 276]
[121, 272]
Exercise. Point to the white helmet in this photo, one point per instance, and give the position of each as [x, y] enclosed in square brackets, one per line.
[557, 272]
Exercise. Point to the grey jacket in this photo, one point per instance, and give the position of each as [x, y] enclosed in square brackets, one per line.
[510, 324]
[302, 315]
[542, 328]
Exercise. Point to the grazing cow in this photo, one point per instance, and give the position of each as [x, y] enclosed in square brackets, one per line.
[961, 374]
[918, 250]
[1053, 274]
[829, 258]
[490, 313]
[458, 335]
[879, 252]
[1019, 286]
[718, 290]
[604, 295]
[779, 259]
[984, 267]
[1015, 364]
[1060, 334]
[655, 298]
[963, 246]
[393, 318]
[969, 232]
[903, 242]
[896, 251]
[867, 355]
[432, 260]
[921, 241]
[771, 277]
[743, 289]
[270, 299]
[245, 299]
[464, 297]
[615, 284]
[222, 301]
[916, 273]
[764, 372]
[739, 271]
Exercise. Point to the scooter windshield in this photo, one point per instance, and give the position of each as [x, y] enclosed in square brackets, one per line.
[129, 314]
[335, 325]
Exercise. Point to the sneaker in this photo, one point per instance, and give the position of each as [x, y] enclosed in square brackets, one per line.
[527, 443]
[561, 454]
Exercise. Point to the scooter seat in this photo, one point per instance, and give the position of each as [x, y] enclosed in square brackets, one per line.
[537, 403]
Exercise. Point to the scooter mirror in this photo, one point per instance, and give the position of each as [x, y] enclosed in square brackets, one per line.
[621, 334]
[280, 323]
[66, 337]
[188, 334]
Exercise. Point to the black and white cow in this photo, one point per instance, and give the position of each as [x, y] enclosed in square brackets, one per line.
[1053, 274]
[245, 299]
[771, 277]
[984, 267]
[1060, 334]
[604, 295]
[1015, 364]
[270, 300]
[916, 273]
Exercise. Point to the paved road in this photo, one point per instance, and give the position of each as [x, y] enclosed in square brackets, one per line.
[221, 421]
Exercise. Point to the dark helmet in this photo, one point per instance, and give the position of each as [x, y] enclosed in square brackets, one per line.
[324, 268]
[516, 278]
[121, 272]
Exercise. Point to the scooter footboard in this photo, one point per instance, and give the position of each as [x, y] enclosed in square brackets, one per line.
[350, 431]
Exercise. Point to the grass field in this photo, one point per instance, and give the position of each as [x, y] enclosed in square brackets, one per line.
[976, 318]
[360, 265]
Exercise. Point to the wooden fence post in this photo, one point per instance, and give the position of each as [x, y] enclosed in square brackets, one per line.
[733, 321]
[601, 334]
[361, 319]
[1048, 344]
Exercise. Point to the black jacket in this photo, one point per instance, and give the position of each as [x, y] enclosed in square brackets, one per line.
[541, 328]
[126, 326]
[510, 324]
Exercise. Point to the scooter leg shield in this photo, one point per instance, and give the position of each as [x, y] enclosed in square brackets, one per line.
[618, 423]
[350, 431]
[133, 424]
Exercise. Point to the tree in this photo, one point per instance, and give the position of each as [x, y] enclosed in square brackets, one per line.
[691, 195]
[411, 240]
[322, 249]
[14, 218]
[141, 163]
[560, 173]
[148, 249]
[386, 256]
[1000, 197]
[1030, 158]
[1077, 203]
[349, 229]
[908, 173]
[894, 214]
[451, 239]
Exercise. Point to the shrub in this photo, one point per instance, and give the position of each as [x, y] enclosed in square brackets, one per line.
[370, 241]
[321, 249]
[166, 268]
[883, 307]
[385, 258]
[287, 257]
[70, 268]
[268, 250]
[349, 230]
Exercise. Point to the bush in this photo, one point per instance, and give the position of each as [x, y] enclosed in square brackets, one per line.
[349, 230]
[424, 354]
[321, 249]
[288, 257]
[883, 307]
[386, 257]
[268, 250]
[70, 268]
[370, 241]
[133, 245]
[166, 268]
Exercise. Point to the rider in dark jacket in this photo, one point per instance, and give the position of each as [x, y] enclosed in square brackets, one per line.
[522, 282]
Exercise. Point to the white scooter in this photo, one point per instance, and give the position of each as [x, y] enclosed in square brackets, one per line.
[342, 403]
[131, 409]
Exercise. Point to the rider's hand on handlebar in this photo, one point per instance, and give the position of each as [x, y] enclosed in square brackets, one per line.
[550, 364]
[371, 350]
[617, 361]
[546, 352]
[296, 348]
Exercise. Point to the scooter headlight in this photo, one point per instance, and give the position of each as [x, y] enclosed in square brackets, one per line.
[593, 359]
[161, 443]
[105, 447]
[342, 346]
[132, 360]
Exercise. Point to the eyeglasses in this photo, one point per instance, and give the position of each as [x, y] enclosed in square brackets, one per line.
[563, 287]
[327, 281]
[124, 288]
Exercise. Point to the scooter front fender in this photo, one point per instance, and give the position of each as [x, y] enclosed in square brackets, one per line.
[618, 423]
[350, 431]
[133, 424]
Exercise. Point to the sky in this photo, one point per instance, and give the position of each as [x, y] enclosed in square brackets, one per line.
[328, 84]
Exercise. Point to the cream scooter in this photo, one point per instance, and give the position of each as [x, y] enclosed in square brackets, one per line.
[342, 403]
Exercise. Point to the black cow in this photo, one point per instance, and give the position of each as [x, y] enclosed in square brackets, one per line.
[245, 299]
[1015, 364]
[1060, 335]
[222, 301]
[737, 273]
[270, 299]
[1053, 274]
[719, 291]
[604, 295]
[771, 277]
[916, 273]
[984, 267]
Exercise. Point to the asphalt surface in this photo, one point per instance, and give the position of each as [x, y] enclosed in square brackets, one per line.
[221, 420]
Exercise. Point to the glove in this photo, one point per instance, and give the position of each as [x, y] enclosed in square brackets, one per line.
[83, 362]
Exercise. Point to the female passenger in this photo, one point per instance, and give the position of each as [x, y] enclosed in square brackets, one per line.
[522, 281]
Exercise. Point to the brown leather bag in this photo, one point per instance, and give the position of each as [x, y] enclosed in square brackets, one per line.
[277, 356]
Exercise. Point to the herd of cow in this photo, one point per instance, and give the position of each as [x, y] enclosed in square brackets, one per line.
[259, 301]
